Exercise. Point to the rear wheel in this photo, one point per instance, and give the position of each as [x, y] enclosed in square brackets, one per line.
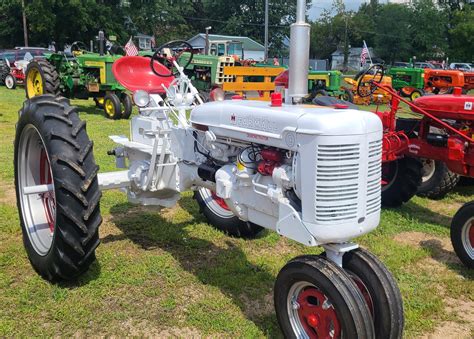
[99, 102]
[315, 298]
[437, 180]
[41, 78]
[400, 181]
[10, 81]
[112, 106]
[221, 217]
[4, 71]
[57, 189]
[380, 291]
[320, 93]
[462, 234]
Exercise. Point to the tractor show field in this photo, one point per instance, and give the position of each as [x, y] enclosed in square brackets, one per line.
[169, 274]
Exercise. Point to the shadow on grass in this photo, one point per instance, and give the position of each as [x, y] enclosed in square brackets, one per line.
[226, 268]
[91, 274]
[437, 252]
[421, 214]
[89, 109]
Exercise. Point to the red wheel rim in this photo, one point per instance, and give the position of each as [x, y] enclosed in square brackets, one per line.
[221, 202]
[317, 314]
[47, 198]
[365, 292]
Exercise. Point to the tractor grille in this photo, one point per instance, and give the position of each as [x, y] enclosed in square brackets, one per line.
[337, 182]
[374, 177]
[221, 77]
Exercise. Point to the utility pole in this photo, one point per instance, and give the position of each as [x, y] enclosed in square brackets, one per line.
[266, 30]
[346, 47]
[25, 29]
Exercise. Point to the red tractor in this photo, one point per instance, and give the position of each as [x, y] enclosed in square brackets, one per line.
[442, 81]
[12, 74]
[468, 81]
[444, 134]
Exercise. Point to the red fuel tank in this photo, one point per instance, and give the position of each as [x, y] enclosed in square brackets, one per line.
[448, 106]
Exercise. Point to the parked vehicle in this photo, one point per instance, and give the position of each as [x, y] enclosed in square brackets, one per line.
[461, 66]
[438, 146]
[424, 65]
[310, 173]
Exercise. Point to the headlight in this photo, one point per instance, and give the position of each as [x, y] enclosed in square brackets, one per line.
[141, 98]
[217, 94]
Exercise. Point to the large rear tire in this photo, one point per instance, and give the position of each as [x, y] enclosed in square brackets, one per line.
[437, 180]
[315, 298]
[56, 187]
[221, 217]
[379, 289]
[462, 234]
[4, 71]
[400, 181]
[41, 77]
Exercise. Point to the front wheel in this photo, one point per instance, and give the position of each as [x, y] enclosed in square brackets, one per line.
[462, 234]
[112, 106]
[380, 291]
[315, 298]
[127, 104]
[10, 81]
[347, 95]
[221, 217]
[56, 188]
[416, 94]
[400, 181]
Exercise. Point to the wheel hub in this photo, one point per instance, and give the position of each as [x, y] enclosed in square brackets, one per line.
[36, 190]
[221, 202]
[312, 314]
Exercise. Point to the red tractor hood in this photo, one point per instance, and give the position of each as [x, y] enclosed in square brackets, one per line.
[449, 106]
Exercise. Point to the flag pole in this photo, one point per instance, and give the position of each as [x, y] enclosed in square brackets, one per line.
[368, 52]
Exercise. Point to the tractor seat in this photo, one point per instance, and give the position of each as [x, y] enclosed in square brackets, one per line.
[134, 73]
[447, 106]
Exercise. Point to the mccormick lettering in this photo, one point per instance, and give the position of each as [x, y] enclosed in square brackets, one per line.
[258, 123]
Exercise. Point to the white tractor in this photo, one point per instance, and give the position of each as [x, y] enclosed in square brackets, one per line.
[309, 173]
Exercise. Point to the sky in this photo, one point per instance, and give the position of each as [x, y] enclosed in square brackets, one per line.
[318, 6]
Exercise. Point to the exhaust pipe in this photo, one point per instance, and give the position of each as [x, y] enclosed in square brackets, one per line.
[299, 55]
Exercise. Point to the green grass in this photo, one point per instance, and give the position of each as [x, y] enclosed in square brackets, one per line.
[168, 273]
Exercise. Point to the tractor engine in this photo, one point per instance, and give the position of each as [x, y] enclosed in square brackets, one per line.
[283, 166]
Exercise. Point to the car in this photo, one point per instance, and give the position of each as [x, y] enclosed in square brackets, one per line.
[463, 66]
[424, 65]
[19, 53]
[401, 64]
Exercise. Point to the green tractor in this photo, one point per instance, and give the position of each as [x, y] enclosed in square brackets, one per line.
[324, 83]
[80, 75]
[409, 82]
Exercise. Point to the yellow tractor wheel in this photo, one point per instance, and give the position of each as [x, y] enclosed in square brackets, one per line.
[416, 94]
[41, 78]
[112, 106]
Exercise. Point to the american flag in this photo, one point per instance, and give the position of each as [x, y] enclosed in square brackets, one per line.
[130, 48]
[364, 54]
[153, 42]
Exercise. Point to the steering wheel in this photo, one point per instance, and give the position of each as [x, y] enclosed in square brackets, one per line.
[78, 46]
[374, 70]
[175, 48]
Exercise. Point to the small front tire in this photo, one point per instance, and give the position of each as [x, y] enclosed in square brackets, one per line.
[127, 104]
[112, 106]
[316, 298]
[10, 81]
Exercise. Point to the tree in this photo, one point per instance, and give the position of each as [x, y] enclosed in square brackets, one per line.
[428, 30]
[394, 31]
[462, 35]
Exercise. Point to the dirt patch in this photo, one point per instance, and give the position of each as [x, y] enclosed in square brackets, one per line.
[463, 308]
[254, 308]
[439, 248]
[450, 330]
[7, 194]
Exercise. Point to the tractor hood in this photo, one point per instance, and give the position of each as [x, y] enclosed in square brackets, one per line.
[258, 121]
